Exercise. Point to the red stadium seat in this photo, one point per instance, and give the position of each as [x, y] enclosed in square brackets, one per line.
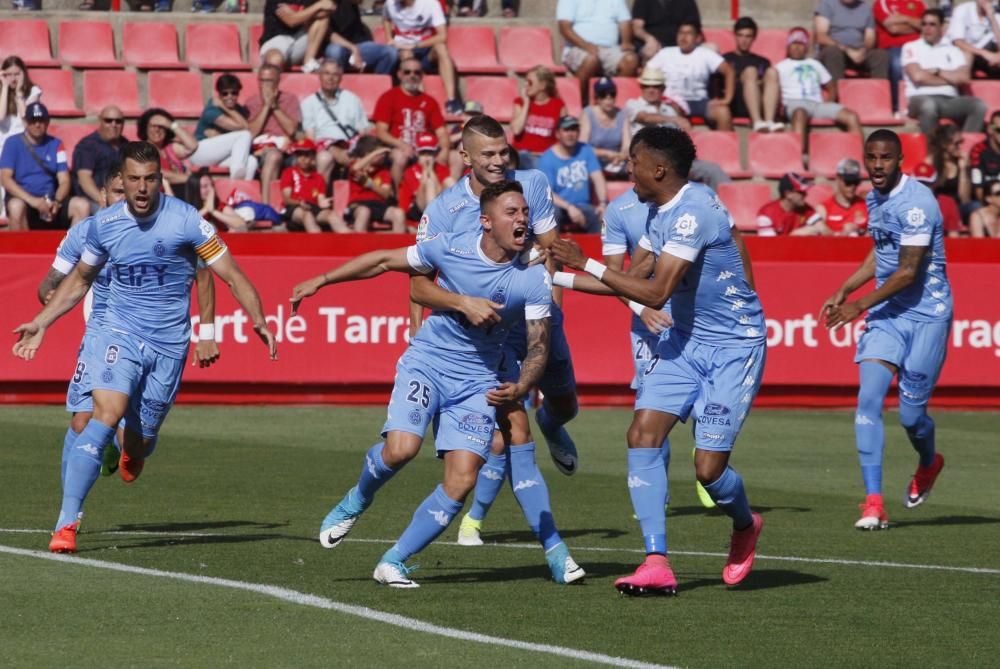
[474, 50]
[826, 149]
[341, 192]
[772, 154]
[870, 98]
[224, 188]
[253, 48]
[989, 92]
[57, 91]
[523, 47]
[151, 46]
[819, 193]
[914, 150]
[249, 81]
[628, 89]
[722, 38]
[616, 188]
[496, 94]
[106, 87]
[71, 134]
[29, 40]
[378, 34]
[370, 87]
[722, 147]
[214, 46]
[87, 44]
[744, 199]
[569, 90]
[177, 92]
[299, 84]
[771, 43]
[970, 139]
[433, 86]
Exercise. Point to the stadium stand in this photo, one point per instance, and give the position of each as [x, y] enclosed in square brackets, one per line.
[870, 98]
[771, 44]
[87, 44]
[496, 94]
[29, 40]
[369, 87]
[215, 46]
[722, 147]
[111, 87]
[299, 84]
[628, 89]
[253, 46]
[743, 199]
[819, 193]
[72, 133]
[826, 149]
[57, 87]
[177, 92]
[914, 149]
[988, 91]
[772, 154]
[721, 38]
[249, 81]
[569, 91]
[523, 47]
[474, 50]
[151, 46]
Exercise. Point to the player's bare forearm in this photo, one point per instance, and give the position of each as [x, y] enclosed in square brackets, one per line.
[741, 247]
[425, 292]
[206, 295]
[910, 258]
[69, 293]
[537, 356]
[862, 275]
[365, 266]
[49, 284]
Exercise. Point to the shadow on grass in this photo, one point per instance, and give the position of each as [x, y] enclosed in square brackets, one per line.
[122, 537]
[759, 579]
[945, 520]
[699, 510]
[528, 537]
[196, 526]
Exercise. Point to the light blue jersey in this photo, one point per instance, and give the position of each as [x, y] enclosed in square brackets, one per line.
[153, 266]
[909, 216]
[713, 303]
[68, 255]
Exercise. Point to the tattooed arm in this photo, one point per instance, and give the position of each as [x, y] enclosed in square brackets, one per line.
[49, 284]
[531, 367]
[907, 271]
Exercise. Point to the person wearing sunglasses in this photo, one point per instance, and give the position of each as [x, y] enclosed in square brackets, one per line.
[93, 158]
[223, 131]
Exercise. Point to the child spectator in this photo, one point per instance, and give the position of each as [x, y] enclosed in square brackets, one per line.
[238, 212]
[304, 192]
[371, 187]
[424, 180]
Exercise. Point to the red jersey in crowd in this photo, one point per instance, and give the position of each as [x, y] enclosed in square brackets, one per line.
[412, 178]
[358, 192]
[772, 219]
[883, 9]
[305, 187]
[408, 115]
[838, 216]
[540, 125]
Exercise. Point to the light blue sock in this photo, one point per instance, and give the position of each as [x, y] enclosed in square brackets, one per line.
[920, 429]
[647, 486]
[666, 468]
[532, 494]
[374, 474]
[82, 469]
[430, 519]
[869, 433]
[549, 421]
[488, 485]
[67, 449]
[729, 495]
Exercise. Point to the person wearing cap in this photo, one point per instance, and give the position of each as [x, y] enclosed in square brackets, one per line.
[757, 91]
[333, 117]
[934, 70]
[598, 40]
[536, 112]
[688, 67]
[371, 187]
[790, 214]
[653, 107]
[34, 174]
[573, 171]
[803, 83]
[304, 192]
[845, 35]
[606, 128]
[423, 180]
[844, 213]
[951, 215]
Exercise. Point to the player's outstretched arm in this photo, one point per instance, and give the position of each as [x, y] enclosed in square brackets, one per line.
[67, 295]
[365, 266]
[910, 258]
[477, 310]
[860, 276]
[225, 268]
[206, 351]
[47, 288]
[531, 368]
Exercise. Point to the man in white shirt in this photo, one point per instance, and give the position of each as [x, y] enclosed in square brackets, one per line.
[933, 69]
[598, 38]
[688, 67]
[418, 28]
[333, 118]
[974, 29]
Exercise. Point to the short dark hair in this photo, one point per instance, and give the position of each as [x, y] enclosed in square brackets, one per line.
[114, 172]
[492, 192]
[994, 115]
[885, 135]
[691, 22]
[141, 152]
[745, 22]
[227, 82]
[671, 143]
[143, 122]
[484, 125]
[934, 11]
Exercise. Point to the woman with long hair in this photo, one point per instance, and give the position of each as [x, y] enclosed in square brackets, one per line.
[536, 114]
[951, 163]
[158, 127]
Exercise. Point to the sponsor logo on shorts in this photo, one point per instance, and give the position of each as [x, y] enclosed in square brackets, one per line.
[151, 411]
[715, 436]
[476, 423]
[440, 517]
[714, 409]
[415, 417]
[475, 440]
[107, 376]
[111, 355]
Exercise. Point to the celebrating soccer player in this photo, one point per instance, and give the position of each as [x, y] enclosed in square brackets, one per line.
[152, 242]
[906, 330]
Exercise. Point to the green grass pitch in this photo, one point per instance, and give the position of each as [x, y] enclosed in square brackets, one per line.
[238, 494]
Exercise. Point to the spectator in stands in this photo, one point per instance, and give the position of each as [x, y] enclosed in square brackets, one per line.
[951, 164]
[16, 92]
[605, 127]
[984, 159]
[238, 212]
[790, 214]
[93, 158]
[687, 68]
[803, 82]
[845, 35]
[950, 213]
[575, 176]
[351, 42]
[467, 8]
[897, 22]
[175, 144]
[598, 40]
[34, 174]
[985, 221]
[974, 29]
[757, 92]
[536, 114]
[223, 132]
[294, 34]
[934, 69]
[844, 212]
[371, 187]
[333, 117]
[418, 28]
[655, 22]
[274, 120]
[423, 180]
[304, 192]
[404, 112]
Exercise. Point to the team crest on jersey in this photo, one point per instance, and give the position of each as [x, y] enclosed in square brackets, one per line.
[427, 239]
[415, 417]
[686, 225]
[159, 249]
[498, 296]
[107, 376]
[111, 355]
[207, 229]
[915, 217]
[422, 227]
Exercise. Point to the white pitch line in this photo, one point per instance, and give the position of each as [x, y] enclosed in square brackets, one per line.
[589, 549]
[315, 601]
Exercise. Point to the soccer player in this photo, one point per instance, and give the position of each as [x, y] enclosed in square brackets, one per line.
[486, 153]
[152, 243]
[711, 362]
[448, 375]
[906, 330]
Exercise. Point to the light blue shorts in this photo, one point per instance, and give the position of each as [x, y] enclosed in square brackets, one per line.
[917, 348]
[78, 396]
[716, 384]
[643, 345]
[125, 363]
[457, 408]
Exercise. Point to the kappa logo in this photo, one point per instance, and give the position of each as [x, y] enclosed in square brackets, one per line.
[749, 380]
[933, 281]
[745, 399]
[712, 435]
[939, 309]
[89, 448]
[492, 475]
[731, 290]
[737, 305]
[862, 419]
[723, 275]
[524, 485]
[686, 225]
[753, 332]
[371, 466]
[459, 206]
[111, 354]
[440, 517]
[636, 482]
[745, 319]
[937, 294]
[932, 268]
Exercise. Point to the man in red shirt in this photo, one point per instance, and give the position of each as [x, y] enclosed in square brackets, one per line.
[844, 213]
[423, 180]
[304, 192]
[896, 23]
[790, 213]
[404, 112]
[274, 118]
